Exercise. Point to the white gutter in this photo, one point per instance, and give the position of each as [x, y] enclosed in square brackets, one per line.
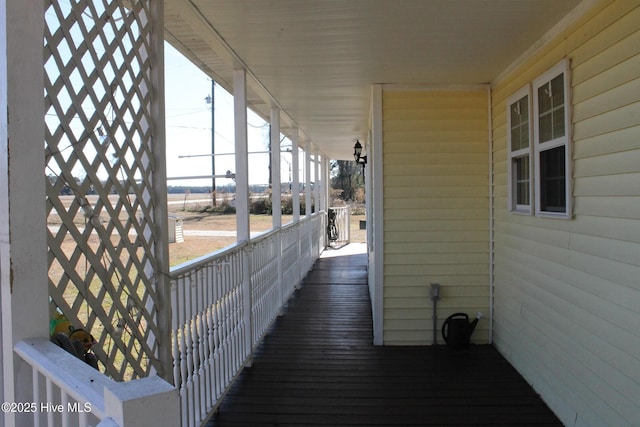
[376, 244]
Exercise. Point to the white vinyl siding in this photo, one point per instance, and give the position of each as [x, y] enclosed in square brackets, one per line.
[567, 293]
[435, 210]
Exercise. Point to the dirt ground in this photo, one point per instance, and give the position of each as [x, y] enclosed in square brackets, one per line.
[186, 207]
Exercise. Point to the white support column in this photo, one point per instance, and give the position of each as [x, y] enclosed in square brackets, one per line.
[324, 170]
[317, 180]
[295, 186]
[160, 213]
[326, 164]
[307, 202]
[295, 197]
[242, 198]
[276, 194]
[307, 181]
[276, 189]
[23, 235]
[242, 161]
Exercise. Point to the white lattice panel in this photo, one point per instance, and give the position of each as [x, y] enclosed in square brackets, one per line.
[99, 166]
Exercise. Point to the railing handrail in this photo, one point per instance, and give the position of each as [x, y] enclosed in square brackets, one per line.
[76, 378]
[196, 263]
[110, 401]
[268, 233]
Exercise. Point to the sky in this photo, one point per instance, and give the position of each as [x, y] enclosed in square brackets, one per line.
[188, 128]
[188, 123]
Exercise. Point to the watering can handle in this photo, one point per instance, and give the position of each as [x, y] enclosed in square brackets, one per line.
[445, 325]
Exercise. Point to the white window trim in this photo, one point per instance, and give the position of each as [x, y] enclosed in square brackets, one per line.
[560, 68]
[513, 207]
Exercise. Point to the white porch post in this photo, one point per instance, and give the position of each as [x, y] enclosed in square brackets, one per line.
[317, 180]
[295, 187]
[316, 196]
[307, 202]
[326, 184]
[160, 212]
[276, 194]
[307, 181]
[295, 197]
[276, 190]
[242, 162]
[23, 243]
[324, 170]
[242, 196]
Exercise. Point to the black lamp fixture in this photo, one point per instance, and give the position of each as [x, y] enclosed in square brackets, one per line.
[357, 151]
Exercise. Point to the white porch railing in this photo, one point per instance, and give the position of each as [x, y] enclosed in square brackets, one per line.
[67, 392]
[224, 303]
[341, 228]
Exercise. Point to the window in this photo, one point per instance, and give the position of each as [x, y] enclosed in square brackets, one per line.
[519, 125]
[552, 157]
[539, 165]
[552, 180]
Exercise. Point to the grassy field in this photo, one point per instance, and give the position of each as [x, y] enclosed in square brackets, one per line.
[189, 209]
[196, 246]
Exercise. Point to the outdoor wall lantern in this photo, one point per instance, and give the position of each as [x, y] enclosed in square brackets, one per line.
[357, 151]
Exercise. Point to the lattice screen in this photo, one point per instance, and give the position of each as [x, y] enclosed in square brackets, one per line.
[99, 168]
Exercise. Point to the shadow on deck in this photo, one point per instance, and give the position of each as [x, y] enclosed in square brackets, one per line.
[318, 367]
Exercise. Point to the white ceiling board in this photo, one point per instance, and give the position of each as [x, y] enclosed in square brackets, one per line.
[317, 59]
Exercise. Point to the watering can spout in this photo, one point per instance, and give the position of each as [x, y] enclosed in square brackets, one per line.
[474, 323]
[472, 326]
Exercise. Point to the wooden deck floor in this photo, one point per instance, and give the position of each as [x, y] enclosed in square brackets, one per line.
[317, 367]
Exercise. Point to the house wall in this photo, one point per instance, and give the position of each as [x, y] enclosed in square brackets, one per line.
[435, 161]
[567, 292]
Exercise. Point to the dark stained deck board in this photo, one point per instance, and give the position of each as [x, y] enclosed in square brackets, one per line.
[318, 367]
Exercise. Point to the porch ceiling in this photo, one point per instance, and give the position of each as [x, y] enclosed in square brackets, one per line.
[317, 59]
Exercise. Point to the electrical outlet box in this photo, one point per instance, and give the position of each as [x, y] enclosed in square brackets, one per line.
[435, 291]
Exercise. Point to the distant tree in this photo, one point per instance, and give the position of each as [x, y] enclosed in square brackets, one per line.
[346, 176]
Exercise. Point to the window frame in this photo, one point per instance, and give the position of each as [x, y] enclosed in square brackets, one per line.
[513, 155]
[562, 68]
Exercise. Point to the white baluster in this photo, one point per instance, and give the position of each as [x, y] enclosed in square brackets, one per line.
[217, 333]
[184, 369]
[174, 335]
[210, 396]
[202, 340]
[64, 400]
[49, 398]
[189, 350]
[193, 314]
[197, 345]
[36, 395]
